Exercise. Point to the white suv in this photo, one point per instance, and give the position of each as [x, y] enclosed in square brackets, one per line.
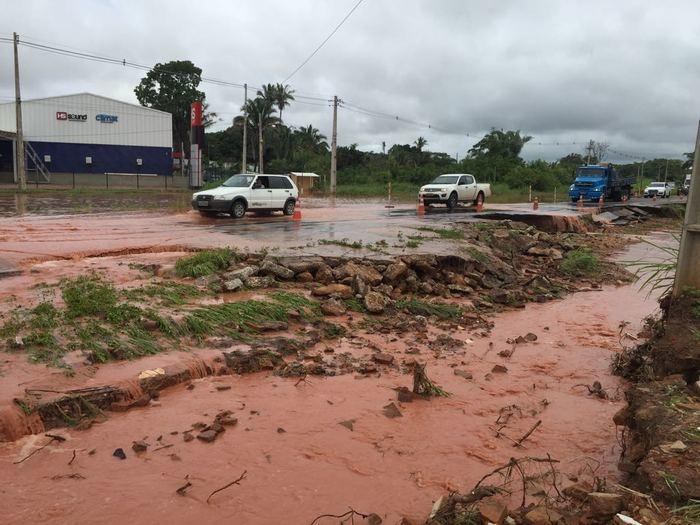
[658, 189]
[248, 192]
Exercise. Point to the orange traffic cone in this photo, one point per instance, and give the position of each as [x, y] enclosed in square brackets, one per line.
[601, 200]
[421, 205]
[479, 206]
[580, 201]
[296, 216]
[536, 204]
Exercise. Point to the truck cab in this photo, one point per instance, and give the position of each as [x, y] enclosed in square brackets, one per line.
[596, 180]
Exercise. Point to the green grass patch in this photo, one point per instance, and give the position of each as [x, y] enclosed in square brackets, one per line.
[355, 305]
[205, 262]
[580, 263]
[88, 295]
[345, 243]
[418, 307]
[477, 254]
[170, 293]
[690, 512]
[293, 301]
[445, 233]
[233, 317]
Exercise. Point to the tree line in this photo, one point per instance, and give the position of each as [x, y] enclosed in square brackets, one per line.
[496, 158]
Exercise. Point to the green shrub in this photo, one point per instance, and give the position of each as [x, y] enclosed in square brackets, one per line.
[580, 263]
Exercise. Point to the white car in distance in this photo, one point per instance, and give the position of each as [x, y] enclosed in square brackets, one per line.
[658, 189]
[453, 188]
[248, 192]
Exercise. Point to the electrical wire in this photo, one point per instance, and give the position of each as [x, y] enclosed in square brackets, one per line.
[324, 42]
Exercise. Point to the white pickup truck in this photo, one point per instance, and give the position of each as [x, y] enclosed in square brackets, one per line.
[453, 188]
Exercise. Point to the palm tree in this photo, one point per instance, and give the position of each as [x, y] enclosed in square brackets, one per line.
[261, 115]
[311, 139]
[420, 143]
[283, 94]
[278, 94]
[268, 92]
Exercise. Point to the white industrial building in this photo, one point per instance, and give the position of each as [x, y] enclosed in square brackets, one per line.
[86, 134]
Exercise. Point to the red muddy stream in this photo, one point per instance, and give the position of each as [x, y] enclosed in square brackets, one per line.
[301, 462]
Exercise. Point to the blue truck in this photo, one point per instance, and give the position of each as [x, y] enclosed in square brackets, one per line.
[595, 180]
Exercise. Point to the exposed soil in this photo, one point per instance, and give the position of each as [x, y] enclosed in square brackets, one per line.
[307, 386]
[662, 441]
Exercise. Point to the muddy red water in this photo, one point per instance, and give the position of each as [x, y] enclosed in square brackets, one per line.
[301, 462]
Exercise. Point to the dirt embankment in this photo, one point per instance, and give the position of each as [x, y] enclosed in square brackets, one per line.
[662, 420]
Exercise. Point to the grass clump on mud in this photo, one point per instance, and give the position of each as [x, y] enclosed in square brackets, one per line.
[580, 263]
[445, 233]
[205, 262]
[244, 316]
[170, 293]
[88, 295]
[418, 307]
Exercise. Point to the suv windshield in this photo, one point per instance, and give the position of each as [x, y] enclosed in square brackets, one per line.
[446, 179]
[239, 181]
[657, 184]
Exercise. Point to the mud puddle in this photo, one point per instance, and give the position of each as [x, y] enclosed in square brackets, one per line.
[301, 462]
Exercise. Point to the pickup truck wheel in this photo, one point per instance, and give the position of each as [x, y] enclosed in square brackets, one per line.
[452, 201]
[238, 209]
[479, 199]
[289, 207]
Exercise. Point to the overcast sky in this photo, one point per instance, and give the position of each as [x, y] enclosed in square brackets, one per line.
[624, 72]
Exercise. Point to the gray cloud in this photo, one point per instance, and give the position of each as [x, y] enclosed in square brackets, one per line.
[624, 72]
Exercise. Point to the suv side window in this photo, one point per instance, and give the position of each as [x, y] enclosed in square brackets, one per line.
[462, 180]
[469, 179]
[261, 183]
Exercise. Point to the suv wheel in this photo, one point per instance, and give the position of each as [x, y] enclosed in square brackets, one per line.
[238, 209]
[289, 207]
[452, 201]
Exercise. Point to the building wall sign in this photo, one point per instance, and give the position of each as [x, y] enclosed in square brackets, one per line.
[106, 119]
[73, 117]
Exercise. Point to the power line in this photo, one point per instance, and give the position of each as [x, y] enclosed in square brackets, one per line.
[324, 42]
[308, 99]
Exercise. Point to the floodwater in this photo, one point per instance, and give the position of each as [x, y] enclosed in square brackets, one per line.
[301, 463]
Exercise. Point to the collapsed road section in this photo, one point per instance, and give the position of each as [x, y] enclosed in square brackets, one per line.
[380, 383]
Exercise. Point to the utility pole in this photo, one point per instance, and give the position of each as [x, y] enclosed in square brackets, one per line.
[666, 173]
[688, 270]
[19, 159]
[260, 144]
[590, 150]
[244, 155]
[334, 145]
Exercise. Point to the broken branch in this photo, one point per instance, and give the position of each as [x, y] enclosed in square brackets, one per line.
[527, 434]
[53, 438]
[351, 513]
[234, 482]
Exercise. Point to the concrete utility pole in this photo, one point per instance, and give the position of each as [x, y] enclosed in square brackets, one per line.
[244, 156]
[688, 270]
[19, 158]
[260, 144]
[590, 150]
[334, 146]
